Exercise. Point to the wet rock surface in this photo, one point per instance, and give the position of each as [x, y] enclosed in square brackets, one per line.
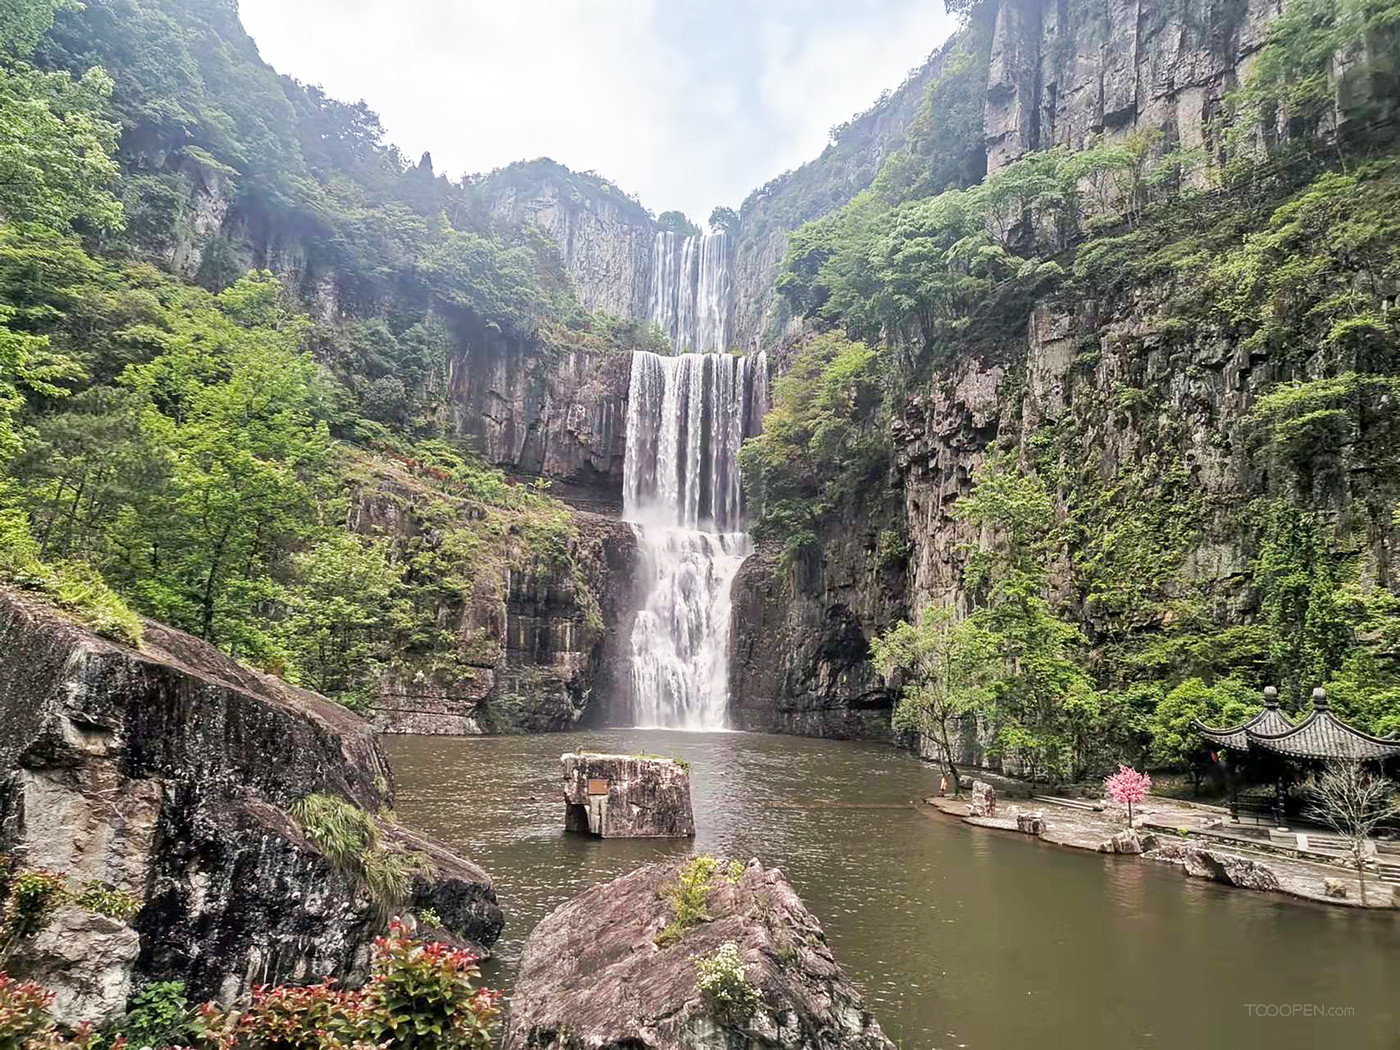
[800, 640]
[167, 773]
[627, 796]
[592, 975]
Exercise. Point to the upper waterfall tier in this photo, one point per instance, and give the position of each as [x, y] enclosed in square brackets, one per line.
[691, 290]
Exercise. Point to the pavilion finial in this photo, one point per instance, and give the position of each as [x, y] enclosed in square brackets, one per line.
[1271, 696]
[1319, 699]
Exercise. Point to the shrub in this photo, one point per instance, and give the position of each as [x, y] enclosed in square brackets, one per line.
[419, 997]
[350, 840]
[689, 897]
[31, 897]
[24, 1013]
[115, 904]
[723, 982]
[159, 1015]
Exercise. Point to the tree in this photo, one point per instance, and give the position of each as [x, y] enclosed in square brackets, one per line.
[676, 222]
[1353, 802]
[342, 612]
[944, 664]
[55, 149]
[1175, 743]
[237, 405]
[824, 443]
[1126, 787]
[724, 220]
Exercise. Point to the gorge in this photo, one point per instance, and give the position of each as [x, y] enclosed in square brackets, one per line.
[1050, 412]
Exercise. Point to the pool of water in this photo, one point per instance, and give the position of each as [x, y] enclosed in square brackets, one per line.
[960, 936]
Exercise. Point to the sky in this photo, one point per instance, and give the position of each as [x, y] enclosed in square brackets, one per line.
[686, 103]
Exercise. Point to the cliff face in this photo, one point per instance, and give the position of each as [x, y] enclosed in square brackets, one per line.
[538, 643]
[167, 773]
[605, 239]
[1114, 376]
[1060, 76]
[800, 648]
[529, 409]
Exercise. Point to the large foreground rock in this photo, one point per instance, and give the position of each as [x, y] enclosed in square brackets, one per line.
[627, 796]
[168, 773]
[593, 978]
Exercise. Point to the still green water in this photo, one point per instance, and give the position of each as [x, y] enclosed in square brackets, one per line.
[960, 936]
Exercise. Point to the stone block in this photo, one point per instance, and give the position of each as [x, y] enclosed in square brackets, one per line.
[1335, 888]
[627, 796]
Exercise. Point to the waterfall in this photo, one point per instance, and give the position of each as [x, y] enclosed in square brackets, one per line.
[690, 290]
[686, 417]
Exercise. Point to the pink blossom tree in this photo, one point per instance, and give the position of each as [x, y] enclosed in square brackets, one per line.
[1126, 787]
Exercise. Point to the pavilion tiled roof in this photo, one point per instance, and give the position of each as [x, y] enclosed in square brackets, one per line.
[1270, 721]
[1321, 735]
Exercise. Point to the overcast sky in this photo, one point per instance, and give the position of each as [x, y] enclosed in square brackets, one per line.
[687, 103]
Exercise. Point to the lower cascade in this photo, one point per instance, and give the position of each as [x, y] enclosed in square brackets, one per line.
[686, 418]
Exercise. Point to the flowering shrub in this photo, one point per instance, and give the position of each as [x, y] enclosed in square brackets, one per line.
[24, 1014]
[419, 997]
[723, 982]
[1126, 787]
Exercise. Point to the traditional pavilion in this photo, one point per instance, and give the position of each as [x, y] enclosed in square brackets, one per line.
[1271, 747]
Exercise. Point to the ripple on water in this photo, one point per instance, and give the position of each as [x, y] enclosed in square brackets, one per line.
[959, 936]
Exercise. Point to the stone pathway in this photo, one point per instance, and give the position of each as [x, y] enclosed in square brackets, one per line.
[1187, 836]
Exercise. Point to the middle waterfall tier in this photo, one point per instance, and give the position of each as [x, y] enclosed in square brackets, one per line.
[685, 423]
[686, 418]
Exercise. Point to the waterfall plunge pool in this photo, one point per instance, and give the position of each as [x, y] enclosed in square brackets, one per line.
[960, 936]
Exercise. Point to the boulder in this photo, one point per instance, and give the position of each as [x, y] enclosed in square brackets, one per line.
[984, 800]
[627, 796]
[1031, 823]
[593, 976]
[1127, 841]
[1219, 867]
[86, 960]
[167, 772]
[1334, 888]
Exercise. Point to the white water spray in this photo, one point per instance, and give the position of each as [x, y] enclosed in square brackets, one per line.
[685, 421]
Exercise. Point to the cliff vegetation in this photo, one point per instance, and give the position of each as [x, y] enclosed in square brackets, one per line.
[1195, 496]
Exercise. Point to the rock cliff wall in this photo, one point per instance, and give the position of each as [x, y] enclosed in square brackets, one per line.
[541, 643]
[529, 409]
[167, 772]
[1063, 74]
[605, 239]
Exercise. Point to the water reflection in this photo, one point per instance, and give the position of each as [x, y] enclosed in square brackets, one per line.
[959, 936]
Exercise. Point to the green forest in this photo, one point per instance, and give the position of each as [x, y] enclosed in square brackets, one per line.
[185, 441]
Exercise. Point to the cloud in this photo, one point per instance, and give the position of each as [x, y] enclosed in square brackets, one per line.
[686, 103]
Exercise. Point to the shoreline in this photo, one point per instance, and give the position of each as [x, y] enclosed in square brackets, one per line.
[1175, 828]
